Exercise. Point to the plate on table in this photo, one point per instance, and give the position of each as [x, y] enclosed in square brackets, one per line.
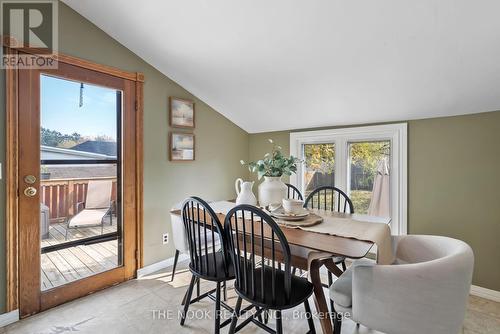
[281, 214]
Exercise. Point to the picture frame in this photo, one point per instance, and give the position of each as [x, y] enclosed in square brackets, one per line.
[182, 113]
[182, 146]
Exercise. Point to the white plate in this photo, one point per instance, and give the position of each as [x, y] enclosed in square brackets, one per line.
[281, 214]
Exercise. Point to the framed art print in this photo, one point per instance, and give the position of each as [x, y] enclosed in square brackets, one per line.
[182, 146]
[181, 113]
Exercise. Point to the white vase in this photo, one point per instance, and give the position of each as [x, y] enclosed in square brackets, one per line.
[271, 191]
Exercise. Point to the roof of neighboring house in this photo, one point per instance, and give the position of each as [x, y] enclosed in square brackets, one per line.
[58, 153]
[94, 146]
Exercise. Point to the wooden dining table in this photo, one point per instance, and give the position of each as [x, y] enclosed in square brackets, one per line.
[314, 250]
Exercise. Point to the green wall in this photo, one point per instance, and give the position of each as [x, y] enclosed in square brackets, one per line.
[219, 143]
[453, 183]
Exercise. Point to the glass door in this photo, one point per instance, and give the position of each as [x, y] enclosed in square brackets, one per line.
[80, 180]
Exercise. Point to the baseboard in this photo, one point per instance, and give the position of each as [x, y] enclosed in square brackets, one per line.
[485, 293]
[160, 265]
[9, 318]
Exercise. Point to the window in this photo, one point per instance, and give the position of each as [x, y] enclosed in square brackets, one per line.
[368, 163]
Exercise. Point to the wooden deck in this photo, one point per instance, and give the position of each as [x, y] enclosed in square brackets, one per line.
[70, 264]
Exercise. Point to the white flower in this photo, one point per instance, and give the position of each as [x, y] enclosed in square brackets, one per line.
[242, 162]
[270, 140]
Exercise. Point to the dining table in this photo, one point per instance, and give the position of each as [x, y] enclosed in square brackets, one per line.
[312, 250]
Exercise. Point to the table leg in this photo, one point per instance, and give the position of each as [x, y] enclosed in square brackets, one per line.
[332, 267]
[315, 262]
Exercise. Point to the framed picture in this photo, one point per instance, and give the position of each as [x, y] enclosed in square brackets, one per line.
[181, 113]
[181, 146]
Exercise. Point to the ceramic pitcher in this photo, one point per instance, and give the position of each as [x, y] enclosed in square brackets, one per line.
[244, 192]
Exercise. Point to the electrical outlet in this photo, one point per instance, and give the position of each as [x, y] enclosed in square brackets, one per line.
[165, 238]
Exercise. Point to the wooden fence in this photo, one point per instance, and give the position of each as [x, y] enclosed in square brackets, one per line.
[61, 196]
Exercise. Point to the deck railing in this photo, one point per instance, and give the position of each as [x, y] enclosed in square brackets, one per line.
[61, 196]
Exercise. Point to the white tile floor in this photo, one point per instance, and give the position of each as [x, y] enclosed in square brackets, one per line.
[132, 307]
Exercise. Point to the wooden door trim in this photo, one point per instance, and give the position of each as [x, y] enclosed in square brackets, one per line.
[11, 169]
[139, 169]
[64, 58]
[12, 163]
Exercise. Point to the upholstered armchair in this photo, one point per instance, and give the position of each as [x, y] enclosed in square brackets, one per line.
[424, 291]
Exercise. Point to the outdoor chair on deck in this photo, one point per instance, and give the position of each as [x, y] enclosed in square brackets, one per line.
[96, 207]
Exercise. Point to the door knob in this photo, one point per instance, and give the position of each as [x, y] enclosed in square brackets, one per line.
[30, 191]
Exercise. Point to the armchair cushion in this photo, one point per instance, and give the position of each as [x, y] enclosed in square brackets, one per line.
[341, 289]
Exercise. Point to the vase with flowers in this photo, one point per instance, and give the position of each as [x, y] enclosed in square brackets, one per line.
[272, 167]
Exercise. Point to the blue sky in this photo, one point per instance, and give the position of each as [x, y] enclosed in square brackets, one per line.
[60, 110]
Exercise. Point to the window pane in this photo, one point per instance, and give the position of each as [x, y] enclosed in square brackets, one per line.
[320, 166]
[369, 177]
[78, 120]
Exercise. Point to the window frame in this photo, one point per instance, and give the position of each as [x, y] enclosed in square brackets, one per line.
[341, 138]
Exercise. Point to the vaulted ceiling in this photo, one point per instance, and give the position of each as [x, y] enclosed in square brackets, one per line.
[287, 64]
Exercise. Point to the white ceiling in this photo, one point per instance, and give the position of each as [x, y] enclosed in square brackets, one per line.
[287, 64]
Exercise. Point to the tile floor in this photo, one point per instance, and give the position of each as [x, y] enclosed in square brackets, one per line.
[151, 305]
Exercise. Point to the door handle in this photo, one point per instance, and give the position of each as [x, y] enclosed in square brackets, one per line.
[29, 179]
[30, 191]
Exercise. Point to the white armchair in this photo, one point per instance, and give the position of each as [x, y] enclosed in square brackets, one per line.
[424, 291]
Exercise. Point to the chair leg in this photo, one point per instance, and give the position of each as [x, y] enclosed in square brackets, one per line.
[176, 258]
[330, 282]
[343, 266]
[236, 314]
[279, 323]
[225, 291]
[309, 316]
[198, 288]
[217, 309]
[337, 321]
[188, 299]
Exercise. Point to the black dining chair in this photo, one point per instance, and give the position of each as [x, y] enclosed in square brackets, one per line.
[251, 234]
[330, 198]
[207, 261]
[293, 193]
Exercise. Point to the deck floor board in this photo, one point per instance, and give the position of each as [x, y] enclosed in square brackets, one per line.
[70, 264]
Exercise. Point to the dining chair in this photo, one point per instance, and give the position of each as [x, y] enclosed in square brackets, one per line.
[293, 193]
[330, 198]
[201, 225]
[424, 291]
[266, 286]
[179, 237]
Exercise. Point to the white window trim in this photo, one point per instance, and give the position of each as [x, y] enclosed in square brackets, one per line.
[395, 133]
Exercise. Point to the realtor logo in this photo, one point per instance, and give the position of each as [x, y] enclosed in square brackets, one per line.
[29, 29]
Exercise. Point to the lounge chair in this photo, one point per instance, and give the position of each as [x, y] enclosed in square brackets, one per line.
[96, 207]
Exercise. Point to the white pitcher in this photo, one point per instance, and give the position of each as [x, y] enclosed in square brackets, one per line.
[244, 192]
